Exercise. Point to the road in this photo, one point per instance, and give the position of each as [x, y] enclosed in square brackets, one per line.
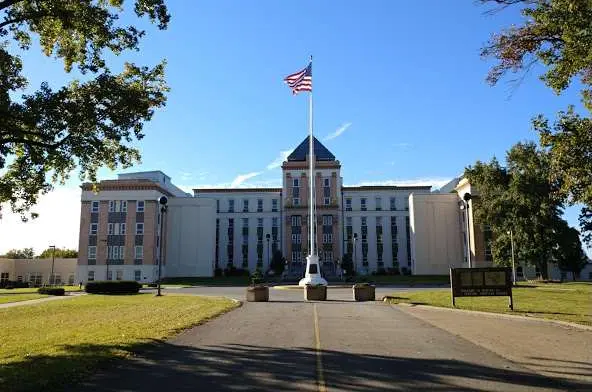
[337, 345]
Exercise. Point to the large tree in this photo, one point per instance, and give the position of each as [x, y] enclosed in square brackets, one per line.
[25, 253]
[554, 33]
[90, 122]
[568, 254]
[59, 253]
[518, 197]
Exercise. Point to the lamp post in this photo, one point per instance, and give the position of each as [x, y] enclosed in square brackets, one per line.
[465, 206]
[268, 236]
[513, 263]
[163, 208]
[51, 277]
[355, 263]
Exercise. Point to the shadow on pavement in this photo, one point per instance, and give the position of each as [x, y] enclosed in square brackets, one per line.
[162, 366]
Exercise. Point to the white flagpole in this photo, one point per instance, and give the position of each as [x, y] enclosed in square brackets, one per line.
[311, 176]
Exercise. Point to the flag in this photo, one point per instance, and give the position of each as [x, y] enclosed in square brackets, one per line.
[301, 80]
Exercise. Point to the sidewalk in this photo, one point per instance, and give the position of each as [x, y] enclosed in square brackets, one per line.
[40, 300]
[549, 349]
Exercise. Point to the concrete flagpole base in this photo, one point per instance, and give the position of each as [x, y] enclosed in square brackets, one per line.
[312, 275]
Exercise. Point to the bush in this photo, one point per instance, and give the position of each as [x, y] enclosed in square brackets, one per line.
[113, 287]
[218, 272]
[405, 271]
[9, 284]
[257, 278]
[51, 290]
[233, 271]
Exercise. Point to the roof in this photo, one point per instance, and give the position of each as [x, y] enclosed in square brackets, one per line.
[387, 188]
[301, 152]
[239, 190]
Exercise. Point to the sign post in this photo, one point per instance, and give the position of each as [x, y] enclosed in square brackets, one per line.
[478, 282]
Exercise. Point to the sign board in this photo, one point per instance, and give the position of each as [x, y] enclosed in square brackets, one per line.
[476, 282]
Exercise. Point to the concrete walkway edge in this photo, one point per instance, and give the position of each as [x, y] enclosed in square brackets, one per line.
[501, 315]
[39, 300]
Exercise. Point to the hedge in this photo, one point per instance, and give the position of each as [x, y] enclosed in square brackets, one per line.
[113, 287]
[13, 285]
[51, 290]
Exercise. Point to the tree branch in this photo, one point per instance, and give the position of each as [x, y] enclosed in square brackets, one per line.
[8, 3]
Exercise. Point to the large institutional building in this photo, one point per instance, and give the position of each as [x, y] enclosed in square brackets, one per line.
[409, 228]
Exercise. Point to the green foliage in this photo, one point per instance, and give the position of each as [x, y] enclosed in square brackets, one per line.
[59, 253]
[26, 253]
[569, 255]
[347, 265]
[51, 290]
[278, 262]
[555, 33]
[113, 287]
[88, 124]
[518, 197]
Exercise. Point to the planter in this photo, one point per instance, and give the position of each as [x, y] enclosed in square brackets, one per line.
[257, 294]
[363, 292]
[315, 293]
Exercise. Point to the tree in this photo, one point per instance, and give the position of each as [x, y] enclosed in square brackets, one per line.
[568, 254]
[347, 264]
[59, 253]
[555, 33]
[26, 253]
[569, 142]
[86, 124]
[518, 197]
[277, 262]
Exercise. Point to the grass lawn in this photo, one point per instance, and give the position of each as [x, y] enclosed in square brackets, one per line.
[207, 281]
[17, 297]
[409, 279]
[561, 301]
[46, 345]
[31, 290]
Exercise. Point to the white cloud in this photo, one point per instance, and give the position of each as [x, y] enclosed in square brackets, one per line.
[403, 145]
[241, 178]
[277, 162]
[337, 132]
[58, 223]
[435, 182]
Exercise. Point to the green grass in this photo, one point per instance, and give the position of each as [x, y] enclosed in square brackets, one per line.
[208, 281]
[565, 301]
[17, 297]
[409, 279]
[46, 345]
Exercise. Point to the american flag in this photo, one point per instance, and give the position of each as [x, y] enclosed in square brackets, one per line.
[301, 80]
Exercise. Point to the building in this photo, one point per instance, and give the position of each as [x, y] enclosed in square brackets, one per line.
[406, 228]
[38, 271]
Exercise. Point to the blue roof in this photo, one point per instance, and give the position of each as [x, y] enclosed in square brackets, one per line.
[301, 152]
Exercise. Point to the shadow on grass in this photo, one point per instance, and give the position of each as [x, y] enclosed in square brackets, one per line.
[162, 366]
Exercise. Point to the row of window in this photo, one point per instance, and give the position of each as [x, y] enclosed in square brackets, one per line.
[118, 206]
[245, 206]
[36, 278]
[115, 228]
[116, 252]
[118, 275]
[378, 206]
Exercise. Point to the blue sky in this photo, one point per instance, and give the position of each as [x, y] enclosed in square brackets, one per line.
[403, 79]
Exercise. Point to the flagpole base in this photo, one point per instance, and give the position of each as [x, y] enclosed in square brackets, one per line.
[312, 275]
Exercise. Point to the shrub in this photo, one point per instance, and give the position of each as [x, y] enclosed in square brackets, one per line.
[9, 284]
[257, 278]
[218, 271]
[405, 271]
[233, 271]
[51, 290]
[113, 287]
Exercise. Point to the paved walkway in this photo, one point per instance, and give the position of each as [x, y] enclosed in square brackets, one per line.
[339, 345]
[39, 300]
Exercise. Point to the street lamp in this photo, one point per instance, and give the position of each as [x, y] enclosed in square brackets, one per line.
[513, 263]
[465, 206]
[355, 265]
[51, 277]
[268, 236]
[163, 208]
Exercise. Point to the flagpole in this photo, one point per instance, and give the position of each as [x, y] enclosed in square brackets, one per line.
[311, 159]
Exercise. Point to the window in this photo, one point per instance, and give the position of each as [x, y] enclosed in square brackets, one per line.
[295, 183]
[327, 238]
[94, 228]
[348, 221]
[274, 205]
[119, 275]
[137, 275]
[122, 228]
[110, 275]
[296, 201]
[348, 204]
[140, 206]
[121, 252]
[259, 205]
[407, 204]
[94, 206]
[327, 220]
[111, 205]
[92, 252]
[245, 222]
[70, 280]
[326, 182]
[379, 221]
[364, 221]
[378, 203]
[4, 277]
[91, 276]
[326, 201]
[139, 228]
[296, 220]
[245, 205]
[110, 228]
[123, 206]
[296, 238]
[231, 205]
[274, 222]
[393, 204]
[217, 206]
[138, 252]
[259, 222]
[363, 204]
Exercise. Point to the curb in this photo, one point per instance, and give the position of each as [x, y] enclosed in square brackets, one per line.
[500, 315]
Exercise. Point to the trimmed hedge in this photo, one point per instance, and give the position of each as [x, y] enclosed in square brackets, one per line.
[113, 287]
[13, 285]
[51, 290]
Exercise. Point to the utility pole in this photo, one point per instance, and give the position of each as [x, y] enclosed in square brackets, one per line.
[513, 263]
[51, 277]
